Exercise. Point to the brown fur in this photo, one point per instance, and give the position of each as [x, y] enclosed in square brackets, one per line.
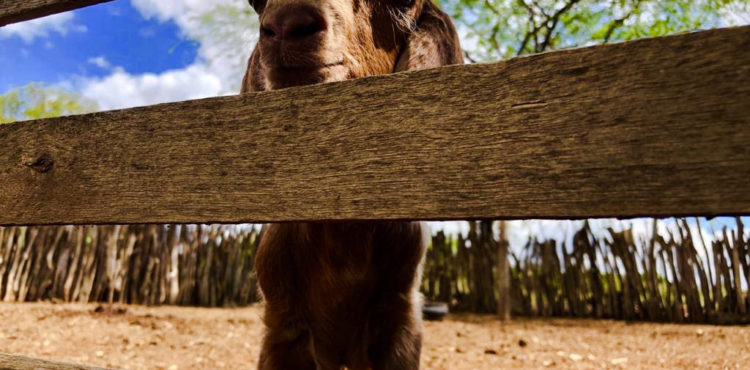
[344, 294]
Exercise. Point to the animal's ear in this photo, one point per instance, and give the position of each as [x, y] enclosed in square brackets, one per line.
[434, 42]
[258, 5]
[405, 2]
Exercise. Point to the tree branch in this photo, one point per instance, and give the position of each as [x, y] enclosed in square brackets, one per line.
[555, 20]
[619, 22]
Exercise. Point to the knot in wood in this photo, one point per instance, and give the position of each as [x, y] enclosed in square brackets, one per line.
[43, 164]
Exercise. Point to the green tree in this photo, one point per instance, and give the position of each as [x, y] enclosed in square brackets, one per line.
[36, 101]
[499, 29]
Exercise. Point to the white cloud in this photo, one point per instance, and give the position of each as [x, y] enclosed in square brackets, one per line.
[123, 90]
[40, 28]
[225, 45]
[100, 62]
[736, 14]
[225, 41]
[181, 11]
[736, 18]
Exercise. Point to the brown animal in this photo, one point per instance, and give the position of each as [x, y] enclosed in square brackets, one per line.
[343, 294]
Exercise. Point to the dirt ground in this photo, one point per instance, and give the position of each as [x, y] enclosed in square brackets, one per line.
[186, 338]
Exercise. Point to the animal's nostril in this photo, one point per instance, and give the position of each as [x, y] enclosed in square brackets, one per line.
[293, 24]
[304, 29]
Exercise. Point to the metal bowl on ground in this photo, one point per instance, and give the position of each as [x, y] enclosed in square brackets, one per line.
[434, 311]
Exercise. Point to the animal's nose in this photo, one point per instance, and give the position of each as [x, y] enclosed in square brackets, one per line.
[292, 23]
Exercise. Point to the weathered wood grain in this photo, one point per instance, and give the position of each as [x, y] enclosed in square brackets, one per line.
[13, 11]
[27, 363]
[653, 127]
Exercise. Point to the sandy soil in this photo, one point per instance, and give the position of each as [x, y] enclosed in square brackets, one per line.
[184, 338]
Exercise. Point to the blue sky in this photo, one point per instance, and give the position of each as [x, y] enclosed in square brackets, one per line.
[131, 52]
[115, 31]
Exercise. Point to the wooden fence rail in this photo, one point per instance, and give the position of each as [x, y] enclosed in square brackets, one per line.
[651, 127]
[13, 11]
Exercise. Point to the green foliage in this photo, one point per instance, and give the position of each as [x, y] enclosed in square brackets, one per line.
[35, 101]
[505, 28]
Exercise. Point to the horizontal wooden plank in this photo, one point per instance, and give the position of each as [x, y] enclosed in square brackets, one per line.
[28, 363]
[653, 127]
[13, 11]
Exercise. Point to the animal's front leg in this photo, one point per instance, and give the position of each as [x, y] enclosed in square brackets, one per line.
[398, 344]
[400, 354]
[287, 340]
[286, 348]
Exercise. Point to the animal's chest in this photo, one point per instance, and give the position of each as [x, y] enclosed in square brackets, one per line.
[338, 261]
[328, 267]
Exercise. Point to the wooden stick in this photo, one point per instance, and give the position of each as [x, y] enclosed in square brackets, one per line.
[13, 11]
[28, 363]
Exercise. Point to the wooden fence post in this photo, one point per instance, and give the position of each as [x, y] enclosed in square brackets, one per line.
[503, 274]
